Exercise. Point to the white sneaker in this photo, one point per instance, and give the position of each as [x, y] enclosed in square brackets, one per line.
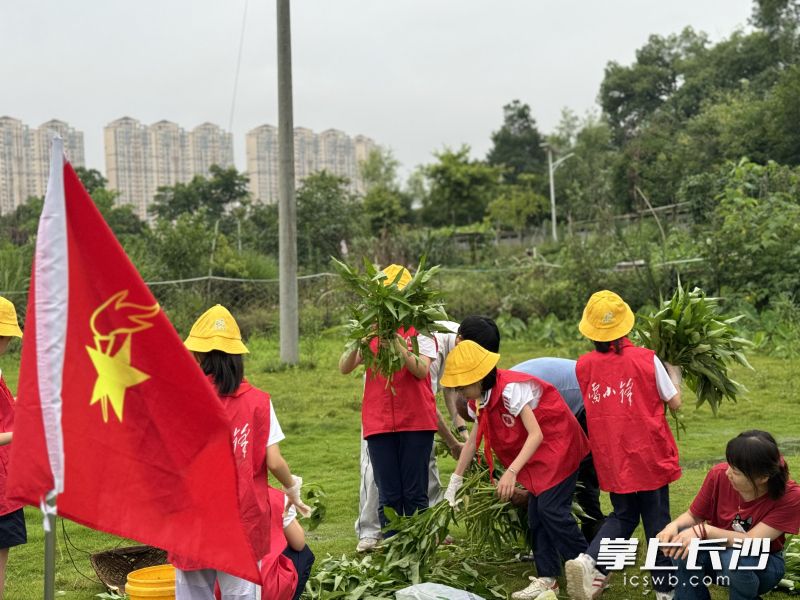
[539, 587]
[367, 544]
[584, 582]
[665, 595]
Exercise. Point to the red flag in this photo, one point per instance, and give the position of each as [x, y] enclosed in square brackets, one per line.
[113, 413]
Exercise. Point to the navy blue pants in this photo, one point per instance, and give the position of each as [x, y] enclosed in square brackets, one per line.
[400, 465]
[588, 492]
[743, 584]
[556, 536]
[653, 509]
[303, 561]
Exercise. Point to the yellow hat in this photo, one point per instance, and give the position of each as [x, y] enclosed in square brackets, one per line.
[216, 329]
[467, 363]
[391, 274]
[606, 317]
[8, 319]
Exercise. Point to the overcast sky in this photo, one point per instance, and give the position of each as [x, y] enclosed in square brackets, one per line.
[415, 75]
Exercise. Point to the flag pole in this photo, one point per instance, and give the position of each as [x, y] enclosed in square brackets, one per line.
[50, 547]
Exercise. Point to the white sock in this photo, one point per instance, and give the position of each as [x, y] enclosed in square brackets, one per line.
[549, 581]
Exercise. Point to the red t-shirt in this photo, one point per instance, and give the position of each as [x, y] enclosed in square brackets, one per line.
[721, 506]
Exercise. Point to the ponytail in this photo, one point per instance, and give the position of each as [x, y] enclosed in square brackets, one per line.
[489, 381]
[776, 485]
[755, 453]
[605, 347]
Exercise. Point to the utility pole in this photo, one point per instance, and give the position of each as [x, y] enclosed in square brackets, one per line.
[287, 207]
[551, 168]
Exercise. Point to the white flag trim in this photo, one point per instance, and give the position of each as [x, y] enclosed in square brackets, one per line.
[51, 288]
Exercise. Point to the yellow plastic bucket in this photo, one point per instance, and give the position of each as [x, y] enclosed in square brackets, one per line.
[151, 583]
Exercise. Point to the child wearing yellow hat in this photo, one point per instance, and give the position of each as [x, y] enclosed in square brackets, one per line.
[624, 390]
[216, 342]
[399, 420]
[527, 424]
[12, 519]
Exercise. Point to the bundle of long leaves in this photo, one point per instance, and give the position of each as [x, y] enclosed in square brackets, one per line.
[689, 331]
[488, 520]
[381, 308]
[415, 554]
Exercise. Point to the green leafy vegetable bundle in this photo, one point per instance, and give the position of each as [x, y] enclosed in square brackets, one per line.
[690, 332]
[381, 309]
[791, 553]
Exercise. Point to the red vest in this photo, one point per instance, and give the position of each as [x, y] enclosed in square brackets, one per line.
[411, 407]
[632, 446]
[563, 446]
[6, 424]
[248, 416]
[278, 575]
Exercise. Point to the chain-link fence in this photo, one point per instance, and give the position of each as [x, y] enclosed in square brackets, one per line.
[533, 288]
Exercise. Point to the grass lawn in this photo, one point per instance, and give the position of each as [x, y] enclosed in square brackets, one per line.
[319, 410]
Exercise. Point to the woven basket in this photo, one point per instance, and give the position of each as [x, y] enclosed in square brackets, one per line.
[113, 566]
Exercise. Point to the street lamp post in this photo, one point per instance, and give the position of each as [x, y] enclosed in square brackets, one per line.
[551, 168]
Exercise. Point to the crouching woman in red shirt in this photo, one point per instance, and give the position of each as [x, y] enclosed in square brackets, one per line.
[750, 496]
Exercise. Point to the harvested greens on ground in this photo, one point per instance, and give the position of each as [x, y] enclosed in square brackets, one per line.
[690, 332]
[791, 554]
[415, 553]
[380, 310]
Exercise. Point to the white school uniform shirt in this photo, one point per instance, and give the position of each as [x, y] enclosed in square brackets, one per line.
[275, 431]
[666, 389]
[516, 396]
[445, 342]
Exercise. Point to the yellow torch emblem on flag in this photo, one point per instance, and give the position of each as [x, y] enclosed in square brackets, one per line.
[111, 354]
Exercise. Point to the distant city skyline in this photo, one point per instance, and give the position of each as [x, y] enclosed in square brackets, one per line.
[140, 158]
[330, 150]
[416, 76]
[25, 158]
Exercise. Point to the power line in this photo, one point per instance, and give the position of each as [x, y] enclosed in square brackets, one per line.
[238, 65]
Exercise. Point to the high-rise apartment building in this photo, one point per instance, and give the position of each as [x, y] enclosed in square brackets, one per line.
[331, 150]
[210, 145]
[126, 148]
[261, 148]
[141, 158]
[306, 153]
[25, 158]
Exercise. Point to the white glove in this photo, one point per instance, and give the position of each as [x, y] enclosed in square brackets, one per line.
[293, 493]
[456, 481]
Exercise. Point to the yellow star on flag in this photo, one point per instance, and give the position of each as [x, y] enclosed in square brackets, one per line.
[114, 375]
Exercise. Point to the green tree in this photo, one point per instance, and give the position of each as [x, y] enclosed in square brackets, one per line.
[224, 189]
[583, 183]
[183, 246]
[753, 243]
[518, 206]
[783, 117]
[385, 204]
[260, 229]
[460, 189]
[21, 225]
[92, 179]
[775, 16]
[517, 145]
[327, 214]
[630, 95]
